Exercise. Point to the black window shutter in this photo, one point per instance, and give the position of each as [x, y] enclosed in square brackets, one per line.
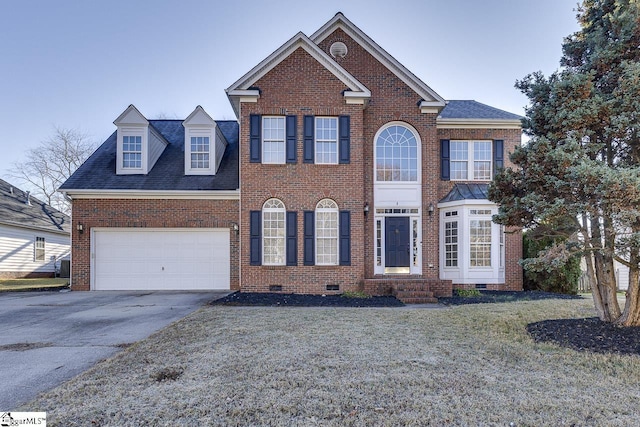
[309, 238]
[498, 155]
[345, 238]
[292, 130]
[255, 149]
[292, 238]
[308, 139]
[255, 233]
[344, 126]
[444, 160]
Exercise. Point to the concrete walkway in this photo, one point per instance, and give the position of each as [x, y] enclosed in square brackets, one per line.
[47, 338]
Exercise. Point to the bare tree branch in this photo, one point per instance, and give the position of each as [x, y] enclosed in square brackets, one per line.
[50, 164]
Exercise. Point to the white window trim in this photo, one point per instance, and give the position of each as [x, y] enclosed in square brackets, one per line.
[471, 160]
[282, 210]
[315, 140]
[490, 244]
[284, 140]
[333, 210]
[415, 217]
[138, 131]
[449, 220]
[464, 273]
[195, 132]
[37, 248]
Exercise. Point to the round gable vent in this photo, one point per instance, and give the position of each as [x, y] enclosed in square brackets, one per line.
[338, 50]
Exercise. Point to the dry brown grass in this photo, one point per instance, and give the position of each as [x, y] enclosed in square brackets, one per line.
[468, 365]
[26, 284]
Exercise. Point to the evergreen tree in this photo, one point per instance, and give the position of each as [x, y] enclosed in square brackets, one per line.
[583, 159]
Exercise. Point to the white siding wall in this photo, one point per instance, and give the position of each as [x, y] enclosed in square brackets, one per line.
[221, 146]
[622, 276]
[156, 147]
[17, 250]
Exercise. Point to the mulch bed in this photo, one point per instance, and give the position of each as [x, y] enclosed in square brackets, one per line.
[504, 296]
[590, 334]
[296, 300]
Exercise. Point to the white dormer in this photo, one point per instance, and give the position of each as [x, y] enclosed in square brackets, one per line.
[139, 145]
[204, 144]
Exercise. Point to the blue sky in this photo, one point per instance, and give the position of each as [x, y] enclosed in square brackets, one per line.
[79, 63]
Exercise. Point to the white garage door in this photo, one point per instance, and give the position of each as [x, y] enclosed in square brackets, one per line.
[160, 259]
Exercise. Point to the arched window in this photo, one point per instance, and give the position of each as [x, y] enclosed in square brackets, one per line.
[396, 155]
[327, 232]
[273, 232]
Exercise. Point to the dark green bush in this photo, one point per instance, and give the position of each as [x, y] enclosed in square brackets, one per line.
[562, 278]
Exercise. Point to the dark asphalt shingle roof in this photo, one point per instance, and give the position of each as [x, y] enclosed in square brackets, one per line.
[99, 171]
[469, 109]
[462, 191]
[15, 211]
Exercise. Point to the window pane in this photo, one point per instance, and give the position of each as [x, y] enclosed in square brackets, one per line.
[273, 232]
[480, 243]
[326, 140]
[273, 145]
[327, 232]
[451, 243]
[39, 247]
[482, 160]
[396, 155]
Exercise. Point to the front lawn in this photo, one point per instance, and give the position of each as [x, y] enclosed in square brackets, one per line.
[32, 284]
[465, 365]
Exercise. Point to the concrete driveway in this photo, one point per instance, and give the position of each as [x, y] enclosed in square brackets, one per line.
[47, 338]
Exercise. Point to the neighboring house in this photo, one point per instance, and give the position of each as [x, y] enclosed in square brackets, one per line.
[34, 237]
[344, 171]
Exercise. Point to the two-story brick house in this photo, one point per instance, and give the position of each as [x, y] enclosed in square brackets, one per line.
[344, 171]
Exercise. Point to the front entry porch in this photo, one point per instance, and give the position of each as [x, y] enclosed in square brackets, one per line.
[410, 290]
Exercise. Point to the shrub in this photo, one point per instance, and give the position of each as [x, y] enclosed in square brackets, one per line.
[355, 294]
[467, 293]
[560, 276]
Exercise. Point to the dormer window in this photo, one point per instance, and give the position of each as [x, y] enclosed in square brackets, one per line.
[200, 152]
[204, 144]
[139, 145]
[131, 152]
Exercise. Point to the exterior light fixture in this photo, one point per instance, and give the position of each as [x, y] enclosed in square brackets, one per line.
[366, 209]
[80, 228]
[431, 209]
[235, 227]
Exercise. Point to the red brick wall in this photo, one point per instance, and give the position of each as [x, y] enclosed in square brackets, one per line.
[300, 86]
[393, 100]
[146, 213]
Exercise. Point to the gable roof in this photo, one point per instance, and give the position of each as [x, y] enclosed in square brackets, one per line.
[15, 211]
[98, 172]
[429, 96]
[131, 116]
[243, 86]
[461, 191]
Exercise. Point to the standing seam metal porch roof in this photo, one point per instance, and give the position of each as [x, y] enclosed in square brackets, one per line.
[465, 191]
